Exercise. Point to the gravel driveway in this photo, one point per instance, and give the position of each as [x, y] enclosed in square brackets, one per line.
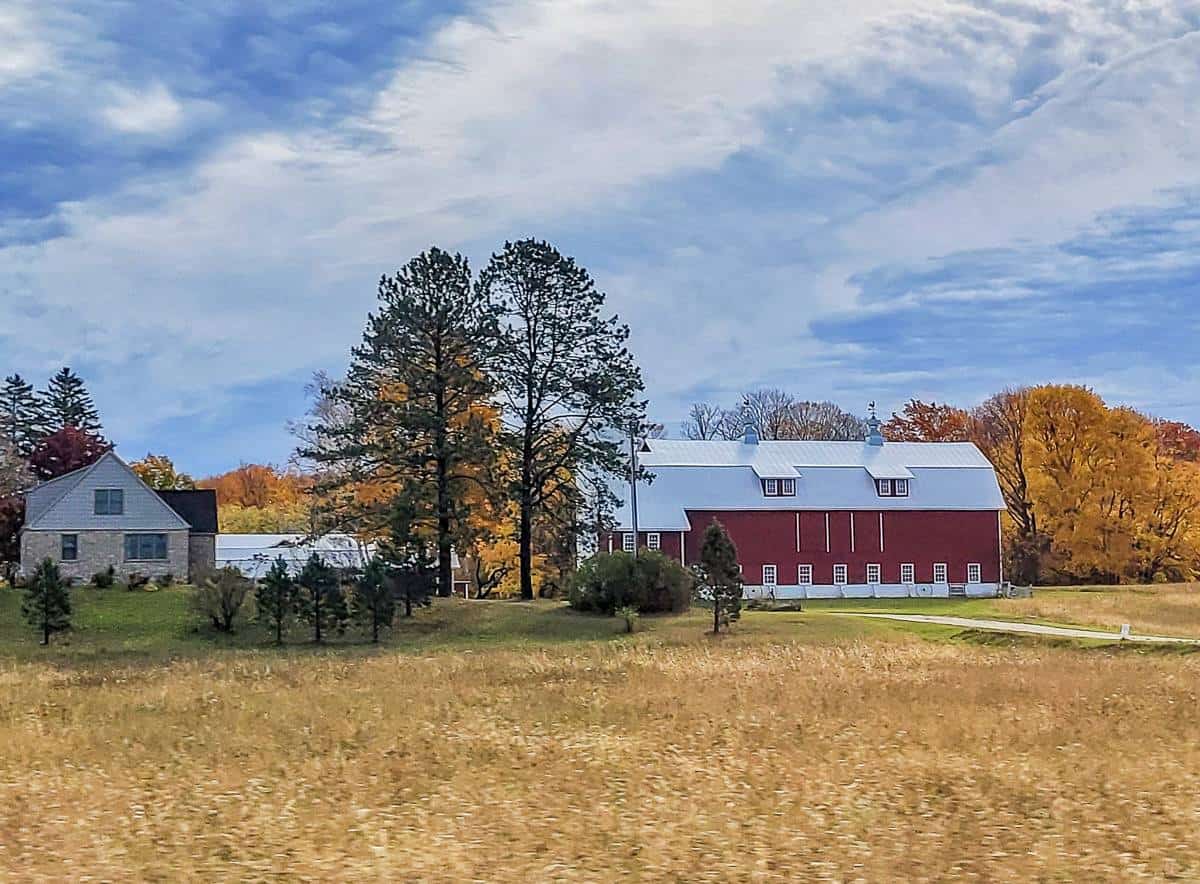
[1023, 628]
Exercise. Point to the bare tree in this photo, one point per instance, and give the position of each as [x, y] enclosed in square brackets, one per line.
[768, 412]
[704, 421]
[708, 421]
[15, 475]
[824, 421]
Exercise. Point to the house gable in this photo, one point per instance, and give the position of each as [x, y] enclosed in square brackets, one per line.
[74, 509]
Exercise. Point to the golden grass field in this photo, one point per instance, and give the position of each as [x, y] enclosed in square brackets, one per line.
[802, 747]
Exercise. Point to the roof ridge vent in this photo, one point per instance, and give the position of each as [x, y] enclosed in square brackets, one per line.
[751, 437]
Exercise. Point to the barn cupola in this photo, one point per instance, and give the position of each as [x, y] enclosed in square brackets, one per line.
[874, 431]
[751, 437]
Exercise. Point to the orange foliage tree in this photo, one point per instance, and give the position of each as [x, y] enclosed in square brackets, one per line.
[261, 499]
[928, 422]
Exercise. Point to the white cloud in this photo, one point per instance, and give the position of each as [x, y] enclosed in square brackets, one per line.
[150, 111]
[22, 50]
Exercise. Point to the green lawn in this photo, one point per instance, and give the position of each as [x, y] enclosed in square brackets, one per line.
[115, 624]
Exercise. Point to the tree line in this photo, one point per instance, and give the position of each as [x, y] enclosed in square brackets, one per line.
[1094, 493]
[773, 414]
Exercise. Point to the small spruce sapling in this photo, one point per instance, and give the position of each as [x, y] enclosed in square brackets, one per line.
[321, 603]
[47, 602]
[719, 576]
[373, 604]
[275, 598]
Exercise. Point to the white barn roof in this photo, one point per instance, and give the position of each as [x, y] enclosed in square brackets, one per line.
[253, 554]
[720, 475]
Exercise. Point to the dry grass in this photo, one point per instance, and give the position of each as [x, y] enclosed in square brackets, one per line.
[871, 757]
[1168, 610]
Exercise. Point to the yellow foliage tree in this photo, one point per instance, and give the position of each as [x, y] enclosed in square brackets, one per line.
[158, 471]
[1094, 493]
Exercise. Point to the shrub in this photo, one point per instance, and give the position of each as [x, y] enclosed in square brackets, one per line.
[630, 616]
[104, 579]
[650, 584]
[136, 581]
[219, 596]
[165, 580]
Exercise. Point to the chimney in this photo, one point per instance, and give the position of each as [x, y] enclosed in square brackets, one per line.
[751, 437]
[874, 435]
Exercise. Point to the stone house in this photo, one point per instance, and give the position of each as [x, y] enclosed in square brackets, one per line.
[105, 515]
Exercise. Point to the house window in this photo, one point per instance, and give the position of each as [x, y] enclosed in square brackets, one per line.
[908, 573]
[628, 541]
[939, 573]
[771, 487]
[805, 575]
[885, 487]
[110, 502]
[770, 575]
[70, 547]
[841, 574]
[900, 487]
[974, 573]
[873, 574]
[787, 487]
[145, 547]
[654, 540]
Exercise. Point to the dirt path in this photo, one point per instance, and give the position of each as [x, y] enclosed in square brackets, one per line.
[1023, 628]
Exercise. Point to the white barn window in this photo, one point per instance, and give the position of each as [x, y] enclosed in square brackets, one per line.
[840, 575]
[654, 540]
[770, 575]
[908, 573]
[804, 576]
[628, 541]
[885, 487]
[939, 573]
[771, 487]
[900, 488]
[873, 573]
[974, 573]
[787, 487]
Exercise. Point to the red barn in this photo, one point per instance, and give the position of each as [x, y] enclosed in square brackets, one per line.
[827, 519]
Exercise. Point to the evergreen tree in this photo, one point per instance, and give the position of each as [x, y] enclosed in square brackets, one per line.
[320, 602]
[22, 419]
[275, 598]
[47, 603]
[411, 415]
[570, 385]
[373, 604]
[67, 403]
[719, 576]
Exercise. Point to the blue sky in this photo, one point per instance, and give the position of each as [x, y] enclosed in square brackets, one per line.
[866, 200]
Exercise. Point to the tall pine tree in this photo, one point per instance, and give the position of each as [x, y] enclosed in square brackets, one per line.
[67, 403]
[411, 417]
[22, 418]
[570, 385]
[47, 603]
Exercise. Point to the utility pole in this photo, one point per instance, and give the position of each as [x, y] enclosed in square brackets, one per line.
[633, 471]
